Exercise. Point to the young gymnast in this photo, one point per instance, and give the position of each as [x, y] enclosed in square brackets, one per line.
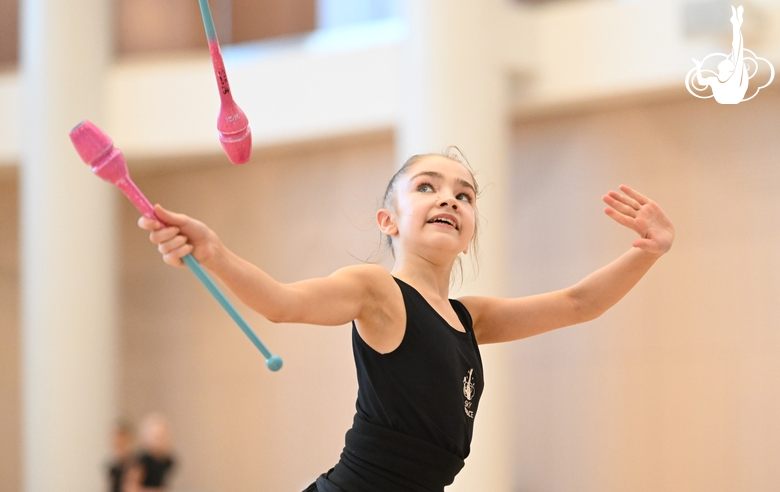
[416, 350]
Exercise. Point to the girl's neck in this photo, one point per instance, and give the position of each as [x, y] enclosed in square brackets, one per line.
[424, 276]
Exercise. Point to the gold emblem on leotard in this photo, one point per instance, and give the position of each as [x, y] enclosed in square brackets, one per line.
[468, 392]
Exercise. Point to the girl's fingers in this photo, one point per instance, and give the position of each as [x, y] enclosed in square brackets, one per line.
[642, 215]
[627, 200]
[167, 217]
[638, 197]
[166, 233]
[174, 257]
[171, 244]
[619, 206]
[162, 235]
[148, 224]
[170, 218]
[620, 218]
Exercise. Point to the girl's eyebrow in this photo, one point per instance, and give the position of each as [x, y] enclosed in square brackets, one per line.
[437, 175]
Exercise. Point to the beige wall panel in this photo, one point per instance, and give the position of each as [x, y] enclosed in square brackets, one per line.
[9, 33]
[10, 418]
[676, 388]
[145, 26]
[152, 26]
[297, 213]
[260, 19]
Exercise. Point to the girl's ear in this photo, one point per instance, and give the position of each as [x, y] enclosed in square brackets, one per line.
[386, 222]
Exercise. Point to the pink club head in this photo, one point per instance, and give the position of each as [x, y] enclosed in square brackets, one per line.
[234, 132]
[97, 149]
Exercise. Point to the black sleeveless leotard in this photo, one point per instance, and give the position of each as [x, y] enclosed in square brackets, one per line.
[415, 406]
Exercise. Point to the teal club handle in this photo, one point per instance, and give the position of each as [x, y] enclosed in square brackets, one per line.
[274, 362]
[208, 22]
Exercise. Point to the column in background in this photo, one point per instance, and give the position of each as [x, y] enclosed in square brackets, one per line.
[67, 250]
[454, 95]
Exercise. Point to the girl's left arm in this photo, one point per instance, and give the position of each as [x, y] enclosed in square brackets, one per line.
[502, 320]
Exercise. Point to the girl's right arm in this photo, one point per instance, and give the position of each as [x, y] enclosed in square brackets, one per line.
[348, 294]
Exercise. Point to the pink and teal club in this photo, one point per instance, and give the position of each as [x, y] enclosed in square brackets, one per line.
[107, 162]
[232, 124]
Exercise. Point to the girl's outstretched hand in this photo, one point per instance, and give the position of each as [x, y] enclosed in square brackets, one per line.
[643, 215]
[180, 236]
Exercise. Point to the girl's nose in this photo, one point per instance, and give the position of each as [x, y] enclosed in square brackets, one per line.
[445, 203]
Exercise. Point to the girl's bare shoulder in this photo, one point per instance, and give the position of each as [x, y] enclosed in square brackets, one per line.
[383, 318]
[374, 279]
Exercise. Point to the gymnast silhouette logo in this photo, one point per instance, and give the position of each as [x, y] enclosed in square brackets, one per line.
[735, 70]
[468, 392]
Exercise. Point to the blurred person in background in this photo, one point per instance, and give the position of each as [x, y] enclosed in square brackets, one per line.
[154, 462]
[122, 458]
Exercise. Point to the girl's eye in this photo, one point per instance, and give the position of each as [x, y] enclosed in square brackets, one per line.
[424, 187]
[465, 197]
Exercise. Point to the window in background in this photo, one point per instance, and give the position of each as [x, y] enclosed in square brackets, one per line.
[333, 13]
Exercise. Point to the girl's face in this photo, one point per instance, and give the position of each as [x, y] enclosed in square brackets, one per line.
[435, 209]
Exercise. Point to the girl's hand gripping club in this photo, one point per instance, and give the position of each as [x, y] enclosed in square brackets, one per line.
[232, 123]
[97, 150]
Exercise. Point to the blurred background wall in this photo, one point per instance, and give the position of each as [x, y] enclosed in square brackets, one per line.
[675, 389]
